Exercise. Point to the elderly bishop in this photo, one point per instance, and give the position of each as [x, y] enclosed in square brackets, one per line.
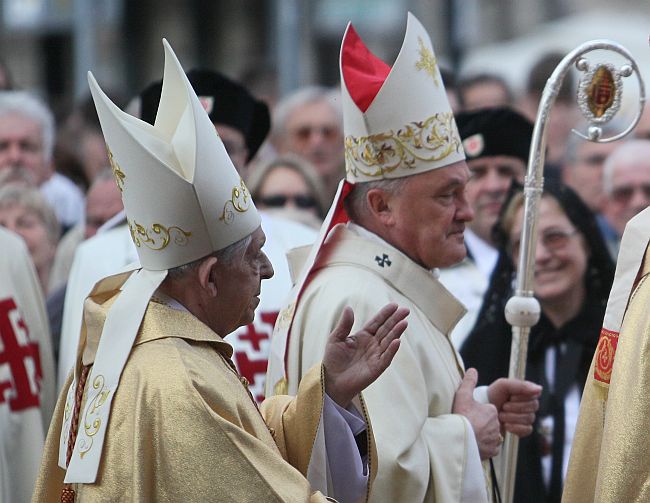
[154, 409]
[399, 214]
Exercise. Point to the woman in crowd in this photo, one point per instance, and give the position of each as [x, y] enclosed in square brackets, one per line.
[289, 186]
[25, 211]
[573, 276]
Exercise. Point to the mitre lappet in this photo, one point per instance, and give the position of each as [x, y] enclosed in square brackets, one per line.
[183, 200]
[397, 122]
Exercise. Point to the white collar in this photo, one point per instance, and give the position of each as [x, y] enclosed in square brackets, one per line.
[484, 254]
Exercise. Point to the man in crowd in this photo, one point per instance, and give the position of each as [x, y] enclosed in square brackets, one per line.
[626, 184]
[405, 207]
[242, 122]
[496, 143]
[156, 410]
[308, 123]
[483, 91]
[26, 371]
[26, 146]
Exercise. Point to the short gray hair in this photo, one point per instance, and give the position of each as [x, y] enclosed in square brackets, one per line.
[310, 94]
[30, 198]
[356, 204]
[630, 150]
[225, 255]
[28, 105]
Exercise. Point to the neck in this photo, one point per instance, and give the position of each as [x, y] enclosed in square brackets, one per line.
[563, 309]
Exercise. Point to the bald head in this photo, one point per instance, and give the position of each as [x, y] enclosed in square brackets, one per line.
[626, 182]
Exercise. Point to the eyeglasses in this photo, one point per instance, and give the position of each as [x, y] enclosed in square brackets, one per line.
[625, 193]
[303, 133]
[302, 201]
[552, 239]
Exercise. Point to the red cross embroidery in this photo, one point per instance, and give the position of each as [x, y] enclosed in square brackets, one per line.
[246, 363]
[22, 355]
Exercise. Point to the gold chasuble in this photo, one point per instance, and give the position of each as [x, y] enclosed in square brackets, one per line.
[609, 458]
[183, 426]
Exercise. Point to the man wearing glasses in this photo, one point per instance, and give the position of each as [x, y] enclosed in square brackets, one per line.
[626, 183]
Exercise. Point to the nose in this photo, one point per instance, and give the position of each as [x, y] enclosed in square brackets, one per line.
[496, 183]
[464, 211]
[13, 153]
[541, 252]
[266, 270]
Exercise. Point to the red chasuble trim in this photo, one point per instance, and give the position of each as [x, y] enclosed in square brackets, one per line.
[363, 72]
[338, 216]
[605, 353]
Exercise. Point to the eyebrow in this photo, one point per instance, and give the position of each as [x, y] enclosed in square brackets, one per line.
[453, 183]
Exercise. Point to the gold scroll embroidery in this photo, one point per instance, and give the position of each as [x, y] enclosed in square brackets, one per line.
[92, 426]
[427, 61]
[376, 155]
[117, 172]
[157, 237]
[239, 202]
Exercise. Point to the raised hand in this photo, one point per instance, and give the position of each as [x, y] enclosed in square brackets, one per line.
[353, 362]
[483, 417]
[516, 401]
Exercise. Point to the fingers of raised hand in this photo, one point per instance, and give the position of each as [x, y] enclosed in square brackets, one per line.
[379, 319]
[393, 328]
[344, 325]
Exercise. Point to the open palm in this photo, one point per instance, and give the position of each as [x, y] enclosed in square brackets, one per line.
[353, 362]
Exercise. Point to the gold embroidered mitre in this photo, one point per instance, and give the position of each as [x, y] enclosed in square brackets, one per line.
[397, 121]
[183, 200]
[182, 195]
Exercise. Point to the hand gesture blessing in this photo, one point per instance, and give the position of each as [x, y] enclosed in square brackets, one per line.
[353, 362]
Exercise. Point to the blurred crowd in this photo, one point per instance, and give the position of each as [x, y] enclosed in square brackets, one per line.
[60, 193]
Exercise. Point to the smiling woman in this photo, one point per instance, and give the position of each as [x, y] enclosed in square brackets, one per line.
[24, 211]
[573, 275]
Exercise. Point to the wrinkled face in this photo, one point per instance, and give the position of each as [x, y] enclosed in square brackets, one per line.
[284, 187]
[314, 132]
[429, 215]
[238, 285]
[21, 148]
[561, 255]
[102, 202]
[585, 175]
[487, 189]
[31, 228]
[630, 192]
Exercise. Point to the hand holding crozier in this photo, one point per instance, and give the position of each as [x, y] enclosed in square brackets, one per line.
[353, 362]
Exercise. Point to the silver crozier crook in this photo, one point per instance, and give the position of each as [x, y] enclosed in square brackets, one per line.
[599, 98]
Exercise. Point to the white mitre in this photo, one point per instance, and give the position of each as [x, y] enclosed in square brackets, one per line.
[183, 200]
[397, 121]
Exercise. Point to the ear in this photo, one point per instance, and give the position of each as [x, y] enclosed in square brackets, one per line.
[380, 207]
[207, 276]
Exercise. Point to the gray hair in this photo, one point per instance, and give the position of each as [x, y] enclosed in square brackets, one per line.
[303, 96]
[226, 256]
[356, 204]
[30, 198]
[629, 151]
[28, 105]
